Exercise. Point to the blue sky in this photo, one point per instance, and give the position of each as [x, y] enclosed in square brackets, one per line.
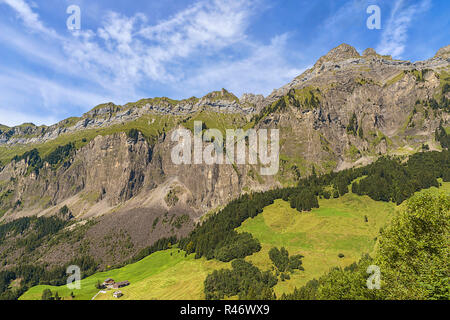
[128, 50]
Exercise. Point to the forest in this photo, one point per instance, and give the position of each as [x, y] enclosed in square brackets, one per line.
[387, 179]
[244, 280]
[29, 233]
[35, 162]
[247, 281]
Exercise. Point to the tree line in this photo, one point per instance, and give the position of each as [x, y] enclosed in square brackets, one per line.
[442, 136]
[387, 179]
[36, 162]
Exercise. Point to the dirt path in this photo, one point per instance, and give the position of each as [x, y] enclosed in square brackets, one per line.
[93, 298]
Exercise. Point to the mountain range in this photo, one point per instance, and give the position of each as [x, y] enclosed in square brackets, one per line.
[110, 171]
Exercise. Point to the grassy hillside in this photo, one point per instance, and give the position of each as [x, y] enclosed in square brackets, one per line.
[338, 226]
[162, 275]
[151, 126]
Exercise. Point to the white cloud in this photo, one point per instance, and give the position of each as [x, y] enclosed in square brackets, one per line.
[262, 71]
[394, 37]
[34, 48]
[208, 24]
[125, 55]
[29, 18]
[128, 50]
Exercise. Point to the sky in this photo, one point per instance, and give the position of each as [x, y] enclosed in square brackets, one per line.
[128, 50]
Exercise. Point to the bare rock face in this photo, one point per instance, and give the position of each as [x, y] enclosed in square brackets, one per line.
[256, 100]
[369, 52]
[115, 170]
[103, 109]
[340, 53]
[443, 53]
[109, 169]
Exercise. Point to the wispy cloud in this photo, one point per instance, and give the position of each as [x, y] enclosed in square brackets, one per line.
[128, 50]
[262, 71]
[124, 51]
[395, 35]
[29, 18]
[202, 45]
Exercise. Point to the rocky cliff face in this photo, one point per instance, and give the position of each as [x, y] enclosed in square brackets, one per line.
[362, 106]
[117, 172]
[346, 110]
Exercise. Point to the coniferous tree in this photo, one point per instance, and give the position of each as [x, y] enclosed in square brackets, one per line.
[47, 295]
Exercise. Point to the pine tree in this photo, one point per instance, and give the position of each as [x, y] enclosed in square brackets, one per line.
[47, 295]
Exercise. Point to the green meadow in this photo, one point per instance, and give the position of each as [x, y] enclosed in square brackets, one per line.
[163, 275]
[339, 226]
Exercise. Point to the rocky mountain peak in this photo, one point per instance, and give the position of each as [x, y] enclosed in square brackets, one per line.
[443, 52]
[340, 53]
[221, 95]
[256, 100]
[28, 124]
[369, 52]
[101, 109]
[372, 54]
[251, 98]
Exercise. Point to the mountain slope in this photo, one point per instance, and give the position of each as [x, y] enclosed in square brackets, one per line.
[319, 235]
[112, 166]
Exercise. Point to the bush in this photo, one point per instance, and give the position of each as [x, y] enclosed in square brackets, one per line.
[47, 295]
[353, 125]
